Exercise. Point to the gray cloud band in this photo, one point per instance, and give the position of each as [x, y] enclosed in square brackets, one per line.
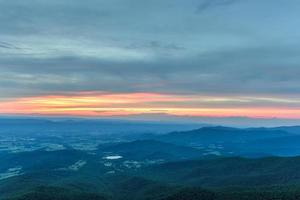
[156, 46]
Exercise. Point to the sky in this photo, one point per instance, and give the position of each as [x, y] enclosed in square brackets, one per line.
[172, 58]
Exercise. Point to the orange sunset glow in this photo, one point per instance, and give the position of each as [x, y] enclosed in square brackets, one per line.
[98, 104]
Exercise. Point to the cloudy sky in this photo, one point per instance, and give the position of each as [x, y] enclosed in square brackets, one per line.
[198, 58]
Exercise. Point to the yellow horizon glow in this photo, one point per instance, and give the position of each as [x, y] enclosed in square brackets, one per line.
[97, 104]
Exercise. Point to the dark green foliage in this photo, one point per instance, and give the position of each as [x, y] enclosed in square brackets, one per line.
[228, 172]
[140, 192]
[192, 194]
[249, 194]
[41, 160]
[170, 181]
[283, 146]
[151, 149]
[53, 193]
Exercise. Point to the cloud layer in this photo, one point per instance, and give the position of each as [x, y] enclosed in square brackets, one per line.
[216, 48]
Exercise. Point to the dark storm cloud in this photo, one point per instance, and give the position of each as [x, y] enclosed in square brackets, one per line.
[64, 46]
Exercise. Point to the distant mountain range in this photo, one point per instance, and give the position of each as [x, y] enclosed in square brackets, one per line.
[74, 160]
